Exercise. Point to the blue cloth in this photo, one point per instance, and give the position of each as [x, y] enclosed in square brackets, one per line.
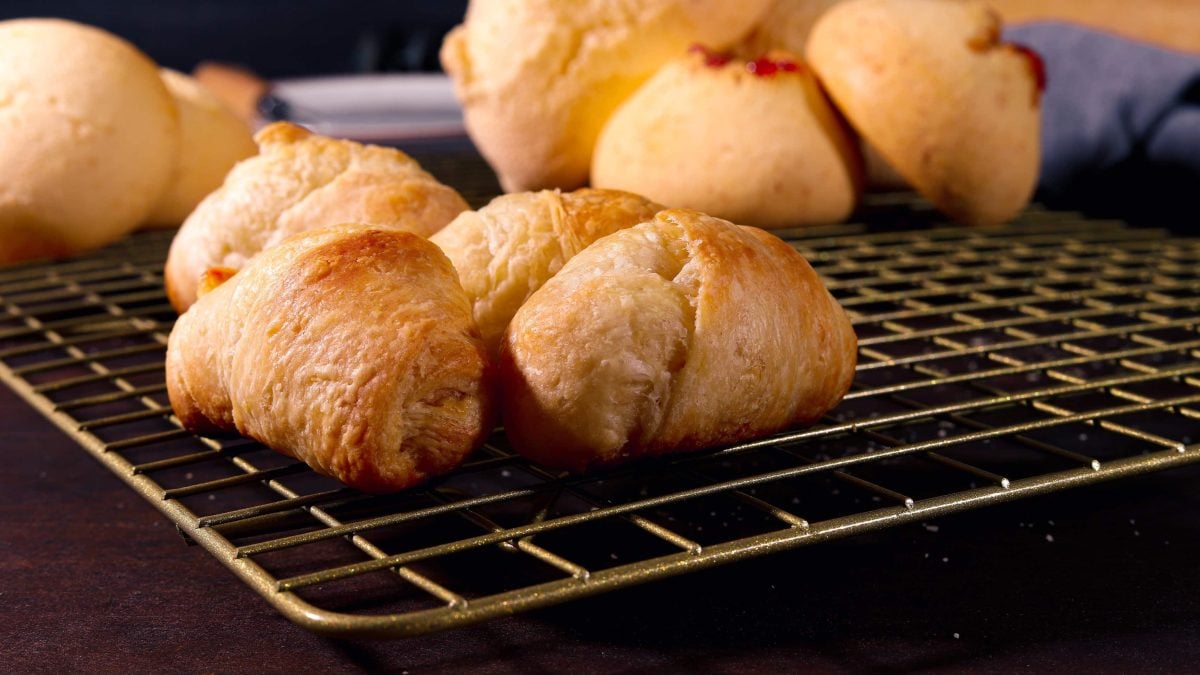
[1120, 124]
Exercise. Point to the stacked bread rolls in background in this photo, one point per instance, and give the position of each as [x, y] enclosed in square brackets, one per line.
[742, 130]
[350, 348]
[507, 250]
[79, 166]
[539, 78]
[774, 151]
[95, 141]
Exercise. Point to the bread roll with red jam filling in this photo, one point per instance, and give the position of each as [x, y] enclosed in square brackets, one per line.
[301, 181]
[754, 141]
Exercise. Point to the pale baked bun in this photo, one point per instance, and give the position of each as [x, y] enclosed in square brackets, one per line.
[1168, 23]
[89, 137]
[300, 181]
[538, 78]
[677, 334]
[509, 248]
[753, 141]
[212, 140]
[954, 110]
[349, 348]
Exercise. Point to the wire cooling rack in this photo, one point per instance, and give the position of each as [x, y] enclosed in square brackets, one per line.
[994, 364]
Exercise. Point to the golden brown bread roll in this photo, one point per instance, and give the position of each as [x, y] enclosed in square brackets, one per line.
[300, 181]
[212, 140]
[509, 248]
[89, 138]
[754, 141]
[677, 334]
[538, 78]
[349, 348]
[951, 108]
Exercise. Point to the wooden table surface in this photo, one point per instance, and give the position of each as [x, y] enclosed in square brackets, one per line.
[1100, 578]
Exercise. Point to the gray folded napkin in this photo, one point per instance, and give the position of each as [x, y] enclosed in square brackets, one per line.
[1120, 125]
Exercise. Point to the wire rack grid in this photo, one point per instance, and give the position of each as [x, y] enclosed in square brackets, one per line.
[994, 364]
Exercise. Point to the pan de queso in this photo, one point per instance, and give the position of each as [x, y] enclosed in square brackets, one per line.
[753, 141]
[89, 138]
[538, 78]
[212, 140]
[931, 86]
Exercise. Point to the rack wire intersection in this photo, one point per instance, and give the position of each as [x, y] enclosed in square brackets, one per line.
[995, 364]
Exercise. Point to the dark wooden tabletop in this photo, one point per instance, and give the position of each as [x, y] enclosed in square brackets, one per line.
[1101, 578]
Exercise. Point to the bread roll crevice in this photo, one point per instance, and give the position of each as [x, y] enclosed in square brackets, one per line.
[301, 205]
[677, 334]
[506, 250]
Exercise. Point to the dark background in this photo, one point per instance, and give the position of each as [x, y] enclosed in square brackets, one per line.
[274, 38]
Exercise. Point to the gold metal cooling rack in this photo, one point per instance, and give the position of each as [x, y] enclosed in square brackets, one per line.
[995, 364]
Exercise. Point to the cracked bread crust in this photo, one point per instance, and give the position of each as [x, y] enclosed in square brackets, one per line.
[300, 181]
[678, 334]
